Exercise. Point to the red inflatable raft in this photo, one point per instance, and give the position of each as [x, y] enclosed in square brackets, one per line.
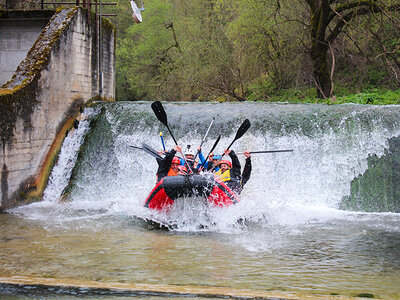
[172, 188]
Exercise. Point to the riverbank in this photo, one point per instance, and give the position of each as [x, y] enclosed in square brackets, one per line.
[372, 96]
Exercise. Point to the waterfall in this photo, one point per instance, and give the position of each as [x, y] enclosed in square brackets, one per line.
[62, 170]
[331, 146]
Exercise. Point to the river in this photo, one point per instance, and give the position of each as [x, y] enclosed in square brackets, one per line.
[292, 235]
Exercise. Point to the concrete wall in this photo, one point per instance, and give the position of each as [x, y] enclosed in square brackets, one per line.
[16, 38]
[59, 75]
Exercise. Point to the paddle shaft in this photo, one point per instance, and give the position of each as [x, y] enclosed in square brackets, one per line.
[183, 156]
[161, 115]
[162, 141]
[242, 130]
[266, 151]
[150, 150]
[136, 147]
[212, 149]
[204, 138]
[223, 154]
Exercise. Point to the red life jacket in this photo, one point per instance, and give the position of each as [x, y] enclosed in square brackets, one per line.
[171, 172]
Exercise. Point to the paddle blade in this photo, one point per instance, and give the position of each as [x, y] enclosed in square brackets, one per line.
[159, 112]
[242, 129]
[215, 144]
[146, 148]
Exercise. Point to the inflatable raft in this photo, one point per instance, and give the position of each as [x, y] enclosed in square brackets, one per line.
[172, 188]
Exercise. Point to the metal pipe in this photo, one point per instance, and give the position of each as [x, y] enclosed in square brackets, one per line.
[99, 58]
[88, 9]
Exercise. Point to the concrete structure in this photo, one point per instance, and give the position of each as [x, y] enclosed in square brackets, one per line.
[59, 75]
[17, 35]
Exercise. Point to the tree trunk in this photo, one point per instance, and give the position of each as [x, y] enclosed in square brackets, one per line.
[319, 53]
[319, 46]
[338, 14]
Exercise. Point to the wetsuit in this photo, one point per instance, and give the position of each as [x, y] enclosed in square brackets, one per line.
[246, 174]
[164, 164]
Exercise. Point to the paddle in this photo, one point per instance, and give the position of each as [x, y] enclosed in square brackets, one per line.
[266, 151]
[162, 117]
[136, 147]
[162, 140]
[242, 130]
[146, 148]
[212, 149]
[204, 138]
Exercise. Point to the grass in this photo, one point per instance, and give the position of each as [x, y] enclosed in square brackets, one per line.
[372, 96]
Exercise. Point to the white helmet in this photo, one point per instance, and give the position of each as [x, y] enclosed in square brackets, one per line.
[189, 151]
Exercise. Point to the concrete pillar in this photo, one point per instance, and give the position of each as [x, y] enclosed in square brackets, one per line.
[58, 76]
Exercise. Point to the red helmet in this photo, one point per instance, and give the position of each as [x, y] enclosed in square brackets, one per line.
[227, 162]
[176, 160]
[182, 170]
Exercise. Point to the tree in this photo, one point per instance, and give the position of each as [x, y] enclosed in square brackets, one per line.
[328, 18]
[255, 49]
[144, 52]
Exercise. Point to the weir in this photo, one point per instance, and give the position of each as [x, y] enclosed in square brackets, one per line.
[68, 65]
[290, 232]
[333, 148]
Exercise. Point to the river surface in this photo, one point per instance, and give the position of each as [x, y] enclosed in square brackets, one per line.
[286, 234]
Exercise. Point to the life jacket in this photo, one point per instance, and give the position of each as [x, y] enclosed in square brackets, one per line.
[226, 176]
[171, 172]
[233, 183]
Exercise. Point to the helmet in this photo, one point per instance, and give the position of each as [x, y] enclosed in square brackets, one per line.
[176, 160]
[225, 161]
[182, 170]
[189, 151]
[217, 156]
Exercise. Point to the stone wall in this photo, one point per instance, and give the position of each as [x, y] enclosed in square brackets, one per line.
[16, 38]
[59, 75]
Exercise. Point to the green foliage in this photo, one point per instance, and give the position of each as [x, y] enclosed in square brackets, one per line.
[253, 50]
[140, 58]
[265, 90]
[372, 96]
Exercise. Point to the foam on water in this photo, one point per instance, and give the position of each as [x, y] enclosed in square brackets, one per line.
[61, 173]
[286, 189]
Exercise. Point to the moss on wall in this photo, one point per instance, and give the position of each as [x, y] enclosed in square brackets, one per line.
[18, 99]
[18, 96]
